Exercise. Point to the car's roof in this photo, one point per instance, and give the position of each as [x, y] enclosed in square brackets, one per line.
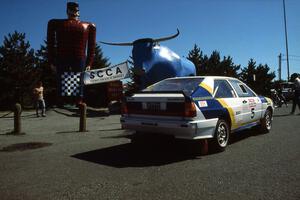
[286, 83]
[212, 77]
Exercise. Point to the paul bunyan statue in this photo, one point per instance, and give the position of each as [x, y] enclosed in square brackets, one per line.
[71, 50]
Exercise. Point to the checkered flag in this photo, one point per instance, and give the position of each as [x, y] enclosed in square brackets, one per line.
[70, 84]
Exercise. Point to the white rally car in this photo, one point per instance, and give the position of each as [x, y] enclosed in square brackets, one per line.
[195, 108]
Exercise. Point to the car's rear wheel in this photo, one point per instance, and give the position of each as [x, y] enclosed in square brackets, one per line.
[266, 122]
[221, 137]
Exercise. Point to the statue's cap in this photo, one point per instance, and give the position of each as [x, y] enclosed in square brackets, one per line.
[73, 6]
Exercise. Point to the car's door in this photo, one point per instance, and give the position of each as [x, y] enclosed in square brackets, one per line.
[224, 93]
[251, 103]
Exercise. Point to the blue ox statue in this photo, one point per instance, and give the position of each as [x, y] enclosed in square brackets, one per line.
[153, 63]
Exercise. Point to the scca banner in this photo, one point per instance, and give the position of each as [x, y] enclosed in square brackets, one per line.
[107, 74]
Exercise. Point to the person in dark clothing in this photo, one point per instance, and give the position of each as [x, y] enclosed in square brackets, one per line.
[296, 99]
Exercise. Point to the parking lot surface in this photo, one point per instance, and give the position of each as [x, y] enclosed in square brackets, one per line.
[52, 160]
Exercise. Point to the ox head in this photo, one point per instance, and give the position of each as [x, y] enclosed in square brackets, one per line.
[144, 54]
[142, 48]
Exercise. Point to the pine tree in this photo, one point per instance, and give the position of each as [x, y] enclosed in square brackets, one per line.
[258, 77]
[213, 64]
[96, 95]
[100, 61]
[17, 64]
[46, 74]
[196, 56]
[228, 68]
[264, 79]
[134, 84]
[247, 74]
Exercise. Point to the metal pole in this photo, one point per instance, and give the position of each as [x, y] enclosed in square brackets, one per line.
[286, 43]
[279, 67]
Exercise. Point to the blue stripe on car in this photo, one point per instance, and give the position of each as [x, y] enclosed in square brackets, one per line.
[214, 109]
[263, 99]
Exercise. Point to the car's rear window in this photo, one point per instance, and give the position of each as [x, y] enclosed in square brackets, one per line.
[187, 85]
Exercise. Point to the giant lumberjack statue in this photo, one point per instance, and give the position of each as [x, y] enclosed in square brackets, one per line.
[71, 49]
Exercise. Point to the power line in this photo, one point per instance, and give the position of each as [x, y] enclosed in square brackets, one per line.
[294, 56]
[291, 55]
[293, 59]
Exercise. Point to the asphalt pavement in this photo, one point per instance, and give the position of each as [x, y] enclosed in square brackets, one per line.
[53, 160]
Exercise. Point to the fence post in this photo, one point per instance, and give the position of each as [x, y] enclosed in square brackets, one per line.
[82, 122]
[17, 118]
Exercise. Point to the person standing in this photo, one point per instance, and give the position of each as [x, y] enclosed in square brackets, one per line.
[296, 99]
[38, 92]
[71, 49]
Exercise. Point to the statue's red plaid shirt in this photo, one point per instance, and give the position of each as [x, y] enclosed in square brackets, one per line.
[72, 39]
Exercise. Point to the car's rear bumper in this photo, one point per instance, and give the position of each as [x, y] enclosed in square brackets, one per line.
[194, 129]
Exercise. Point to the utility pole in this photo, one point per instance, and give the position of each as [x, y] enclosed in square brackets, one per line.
[286, 43]
[279, 66]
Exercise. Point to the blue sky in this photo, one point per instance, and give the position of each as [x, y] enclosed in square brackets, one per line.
[243, 29]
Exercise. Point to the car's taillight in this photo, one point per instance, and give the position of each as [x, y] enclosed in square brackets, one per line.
[124, 109]
[189, 109]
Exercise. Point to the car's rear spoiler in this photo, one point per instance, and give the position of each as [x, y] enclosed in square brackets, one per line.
[187, 98]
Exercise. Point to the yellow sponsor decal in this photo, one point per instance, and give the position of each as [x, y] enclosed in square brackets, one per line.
[208, 88]
[230, 111]
[269, 101]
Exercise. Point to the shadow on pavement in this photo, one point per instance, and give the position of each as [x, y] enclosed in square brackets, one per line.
[238, 136]
[134, 155]
[65, 132]
[153, 152]
[24, 146]
[23, 116]
[74, 112]
[117, 136]
[110, 129]
[282, 115]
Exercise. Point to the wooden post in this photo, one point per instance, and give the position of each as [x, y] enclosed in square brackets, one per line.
[82, 122]
[17, 118]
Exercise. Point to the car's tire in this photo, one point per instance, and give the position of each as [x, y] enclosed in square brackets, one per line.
[266, 122]
[221, 137]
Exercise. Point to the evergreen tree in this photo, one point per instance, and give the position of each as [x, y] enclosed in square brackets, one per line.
[46, 75]
[213, 64]
[17, 73]
[100, 61]
[247, 74]
[134, 84]
[228, 68]
[196, 56]
[96, 95]
[258, 77]
[264, 79]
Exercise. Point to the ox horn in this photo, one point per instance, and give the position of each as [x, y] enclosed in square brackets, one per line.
[131, 43]
[117, 44]
[166, 38]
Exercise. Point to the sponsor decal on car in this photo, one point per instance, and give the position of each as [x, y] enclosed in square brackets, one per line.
[252, 103]
[202, 104]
